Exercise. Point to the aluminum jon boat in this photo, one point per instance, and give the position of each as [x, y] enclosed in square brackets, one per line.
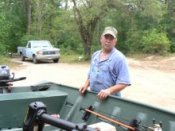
[34, 107]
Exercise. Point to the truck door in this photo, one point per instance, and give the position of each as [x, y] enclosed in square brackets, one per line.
[29, 50]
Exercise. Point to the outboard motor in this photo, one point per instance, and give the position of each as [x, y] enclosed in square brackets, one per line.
[37, 116]
[6, 78]
[4, 72]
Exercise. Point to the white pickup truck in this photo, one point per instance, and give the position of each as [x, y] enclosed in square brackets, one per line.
[39, 50]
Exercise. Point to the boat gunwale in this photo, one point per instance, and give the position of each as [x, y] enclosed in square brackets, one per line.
[111, 96]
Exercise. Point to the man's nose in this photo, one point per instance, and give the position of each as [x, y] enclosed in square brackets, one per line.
[108, 39]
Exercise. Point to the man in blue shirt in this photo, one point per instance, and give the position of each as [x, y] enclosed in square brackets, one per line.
[108, 73]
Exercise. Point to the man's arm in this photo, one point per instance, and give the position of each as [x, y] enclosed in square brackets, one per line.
[111, 90]
[84, 87]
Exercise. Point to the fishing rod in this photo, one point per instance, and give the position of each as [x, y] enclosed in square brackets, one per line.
[134, 125]
[131, 128]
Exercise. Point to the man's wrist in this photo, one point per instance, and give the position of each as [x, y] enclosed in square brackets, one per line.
[107, 92]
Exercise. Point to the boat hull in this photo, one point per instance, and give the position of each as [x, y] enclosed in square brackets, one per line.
[68, 103]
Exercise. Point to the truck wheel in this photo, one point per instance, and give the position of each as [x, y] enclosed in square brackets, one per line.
[56, 60]
[34, 60]
[22, 57]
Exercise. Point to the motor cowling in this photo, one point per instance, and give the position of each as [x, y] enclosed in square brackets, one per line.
[4, 72]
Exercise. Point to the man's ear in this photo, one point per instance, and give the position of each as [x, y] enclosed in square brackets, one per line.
[115, 42]
[101, 39]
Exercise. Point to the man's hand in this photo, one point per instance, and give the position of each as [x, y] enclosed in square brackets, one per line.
[103, 94]
[82, 90]
[55, 116]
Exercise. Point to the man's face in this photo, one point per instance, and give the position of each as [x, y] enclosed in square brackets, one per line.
[108, 42]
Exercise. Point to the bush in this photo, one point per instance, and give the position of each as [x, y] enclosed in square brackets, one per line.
[2, 49]
[172, 45]
[26, 38]
[155, 42]
[133, 41]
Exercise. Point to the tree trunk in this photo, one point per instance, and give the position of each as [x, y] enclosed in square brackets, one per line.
[85, 35]
[66, 4]
[87, 40]
[86, 30]
[39, 17]
[29, 15]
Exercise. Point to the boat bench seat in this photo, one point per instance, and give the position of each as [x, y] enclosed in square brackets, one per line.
[54, 101]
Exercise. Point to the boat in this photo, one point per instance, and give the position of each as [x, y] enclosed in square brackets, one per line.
[28, 107]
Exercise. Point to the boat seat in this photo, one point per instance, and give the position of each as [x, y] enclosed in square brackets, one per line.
[54, 101]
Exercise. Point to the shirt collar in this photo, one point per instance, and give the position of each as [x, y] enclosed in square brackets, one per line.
[97, 58]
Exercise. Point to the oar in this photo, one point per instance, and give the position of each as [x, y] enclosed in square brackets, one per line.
[110, 119]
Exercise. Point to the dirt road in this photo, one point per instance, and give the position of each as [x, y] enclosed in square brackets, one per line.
[153, 79]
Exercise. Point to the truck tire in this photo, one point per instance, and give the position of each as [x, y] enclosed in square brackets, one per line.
[34, 60]
[22, 57]
[55, 60]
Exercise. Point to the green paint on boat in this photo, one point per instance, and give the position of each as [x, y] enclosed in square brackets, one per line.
[67, 102]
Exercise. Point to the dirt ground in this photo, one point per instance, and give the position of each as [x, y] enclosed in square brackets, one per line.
[153, 78]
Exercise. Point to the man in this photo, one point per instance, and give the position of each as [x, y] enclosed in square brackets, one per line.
[108, 73]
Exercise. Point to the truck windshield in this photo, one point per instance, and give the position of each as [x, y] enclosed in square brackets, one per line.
[39, 44]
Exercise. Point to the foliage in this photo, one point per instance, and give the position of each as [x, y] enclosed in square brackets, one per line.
[3, 35]
[168, 23]
[71, 57]
[56, 21]
[155, 42]
[12, 23]
[26, 38]
[154, 9]
[67, 33]
[2, 49]
[134, 41]
[172, 47]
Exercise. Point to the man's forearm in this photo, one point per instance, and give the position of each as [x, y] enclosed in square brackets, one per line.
[116, 88]
[87, 83]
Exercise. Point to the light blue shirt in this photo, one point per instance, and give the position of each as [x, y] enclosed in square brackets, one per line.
[107, 73]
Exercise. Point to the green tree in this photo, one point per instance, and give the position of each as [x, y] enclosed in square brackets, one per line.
[12, 23]
[168, 22]
[87, 14]
[77, 24]
[155, 42]
[132, 18]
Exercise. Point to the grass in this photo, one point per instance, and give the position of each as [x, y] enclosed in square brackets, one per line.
[4, 60]
[68, 57]
[72, 58]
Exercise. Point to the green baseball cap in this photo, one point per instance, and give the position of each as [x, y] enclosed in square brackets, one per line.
[111, 31]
